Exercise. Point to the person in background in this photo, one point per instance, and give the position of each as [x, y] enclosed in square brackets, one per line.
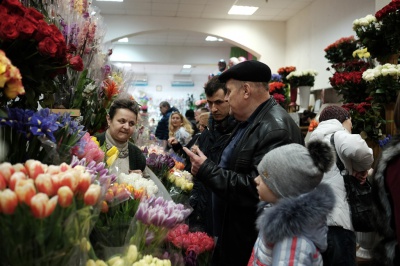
[180, 129]
[211, 142]
[357, 158]
[294, 205]
[121, 119]
[162, 132]
[221, 66]
[189, 114]
[203, 121]
[386, 191]
[262, 126]
[242, 59]
[309, 117]
[233, 61]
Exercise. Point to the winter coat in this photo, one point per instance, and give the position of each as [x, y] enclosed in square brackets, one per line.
[272, 127]
[294, 230]
[384, 218]
[162, 126]
[355, 155]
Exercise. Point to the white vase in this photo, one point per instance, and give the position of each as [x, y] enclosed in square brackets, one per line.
[366, 241]
[304, 95]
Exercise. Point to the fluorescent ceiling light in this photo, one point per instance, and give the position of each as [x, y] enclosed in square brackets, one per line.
[123, 40]
[242, 10]
[213, 39]
[187, 66]
[110, 0]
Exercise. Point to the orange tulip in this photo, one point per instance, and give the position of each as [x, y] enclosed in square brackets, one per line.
[6, 170]
[3, 183]
[69, 179]
[53, 169]
[55, 179]
[51, 205]
[65, 196]
[39, 204]
[14, 179]
[8, 201]
[45, 185]
[109, 195]
[19, 167]
[35, 168]
[92, 195]
[64, 167]
[25, 190]
[84, 182]
[104, 206]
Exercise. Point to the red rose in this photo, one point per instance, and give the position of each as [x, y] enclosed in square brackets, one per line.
[12, 4]
[8, 31]
[47, 47]
[43, 31]
[25, 27]
[76, 63]
[32, 12]
[58, 37]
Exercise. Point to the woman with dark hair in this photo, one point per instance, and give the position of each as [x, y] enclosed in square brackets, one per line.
[122, 118]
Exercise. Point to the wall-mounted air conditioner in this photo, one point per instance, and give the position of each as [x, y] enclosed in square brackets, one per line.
[140, 80]
[182, 80]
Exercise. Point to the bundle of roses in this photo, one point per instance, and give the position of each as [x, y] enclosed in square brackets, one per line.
[350, 85]
[388, 17]
[49, 212]
[284, 71]
[36, 48]
[10, 80]
[383, 83]
[279, 91]
[341, 50]
[196, 246]
[302, 78]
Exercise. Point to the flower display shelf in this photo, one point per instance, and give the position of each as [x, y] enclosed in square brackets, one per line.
[72, 112]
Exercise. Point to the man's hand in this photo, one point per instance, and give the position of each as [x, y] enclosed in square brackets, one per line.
[197, 158]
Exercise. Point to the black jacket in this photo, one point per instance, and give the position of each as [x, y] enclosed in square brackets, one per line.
[272, 127]
[136, 157]
[162, 126]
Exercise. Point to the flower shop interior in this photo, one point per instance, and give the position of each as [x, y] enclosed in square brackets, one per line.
[56, 95]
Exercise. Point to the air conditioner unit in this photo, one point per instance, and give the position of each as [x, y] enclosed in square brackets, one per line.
[180, 80]
[140, 80]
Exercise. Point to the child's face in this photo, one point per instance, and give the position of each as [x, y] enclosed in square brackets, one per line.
[264, 193]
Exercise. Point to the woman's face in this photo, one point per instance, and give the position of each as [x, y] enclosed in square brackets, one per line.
[176, 120]
[264, 192]
[122, 126]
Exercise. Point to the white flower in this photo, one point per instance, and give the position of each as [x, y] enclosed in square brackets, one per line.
[138, 182]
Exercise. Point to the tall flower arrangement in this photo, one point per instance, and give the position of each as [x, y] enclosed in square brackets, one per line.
[36, 48]
[341, 50]
[302, 78]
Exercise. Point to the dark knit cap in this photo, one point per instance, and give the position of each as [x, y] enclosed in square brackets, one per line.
[247, 71]
[334, 112]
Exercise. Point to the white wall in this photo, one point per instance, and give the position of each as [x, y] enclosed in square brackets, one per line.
[316, 27]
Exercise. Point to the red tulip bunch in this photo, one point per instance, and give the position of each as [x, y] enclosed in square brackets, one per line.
[47, 210]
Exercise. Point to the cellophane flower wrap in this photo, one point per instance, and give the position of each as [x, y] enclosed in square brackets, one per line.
[49, 211]
[118, 209]
[180, 183]
[159, 163]
[197, 247]
[154, 218]
[40, 135]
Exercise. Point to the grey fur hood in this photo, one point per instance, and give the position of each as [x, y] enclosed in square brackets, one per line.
[304, 215]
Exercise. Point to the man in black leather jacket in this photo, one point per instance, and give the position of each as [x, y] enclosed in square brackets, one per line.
[263, 125]
[211, 142]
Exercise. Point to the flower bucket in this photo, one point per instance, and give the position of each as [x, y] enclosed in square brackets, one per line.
[304, 93]
[293, 95]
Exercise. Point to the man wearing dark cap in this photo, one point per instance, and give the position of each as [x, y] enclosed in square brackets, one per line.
[263, 125]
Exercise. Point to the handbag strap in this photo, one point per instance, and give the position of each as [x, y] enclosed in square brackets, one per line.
[339, 163]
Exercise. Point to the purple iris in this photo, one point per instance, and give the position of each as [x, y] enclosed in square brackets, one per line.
[276, 77]
[44, 123]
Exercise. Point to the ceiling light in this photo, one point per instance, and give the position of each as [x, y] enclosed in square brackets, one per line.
[123, 40]
[211, 39]
[242, 10]
[187, 66]
[220, 40]
[110, 0]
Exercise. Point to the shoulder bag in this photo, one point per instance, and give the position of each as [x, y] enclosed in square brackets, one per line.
[359, 197]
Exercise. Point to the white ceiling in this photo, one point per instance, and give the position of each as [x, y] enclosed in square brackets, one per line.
[269, 10]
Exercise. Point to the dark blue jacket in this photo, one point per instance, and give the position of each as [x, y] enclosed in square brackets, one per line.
[162, 126]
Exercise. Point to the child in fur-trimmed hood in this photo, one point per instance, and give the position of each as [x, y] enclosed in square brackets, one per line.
[292, 223]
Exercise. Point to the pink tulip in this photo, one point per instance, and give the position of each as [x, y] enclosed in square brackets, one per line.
[55, 179]
[35, 168]
[44, 184]
[39, 204]
[109, 195]
[92, 195]
[6, 170]
[8, 201]
[65, 196]
[3, 183]
[19, 167]
[25, 190]
[14, 179]
[84, 182]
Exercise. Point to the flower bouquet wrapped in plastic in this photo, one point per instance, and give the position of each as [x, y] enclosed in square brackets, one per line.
[48, 212]
[180, 185]
[118, 209]
[160, 164]
[197, 247]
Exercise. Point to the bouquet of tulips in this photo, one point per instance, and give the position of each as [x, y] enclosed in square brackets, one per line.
[197, 247]
[118, 209]
[180, 185]
[46, 212]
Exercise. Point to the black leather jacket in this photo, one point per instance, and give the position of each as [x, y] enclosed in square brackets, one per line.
[272, 127]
